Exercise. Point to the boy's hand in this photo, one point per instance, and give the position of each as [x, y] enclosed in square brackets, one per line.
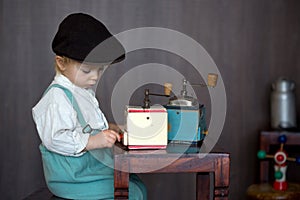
[106, 138]
[115, 127]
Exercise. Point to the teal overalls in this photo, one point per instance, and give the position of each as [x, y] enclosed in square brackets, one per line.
[89, 176]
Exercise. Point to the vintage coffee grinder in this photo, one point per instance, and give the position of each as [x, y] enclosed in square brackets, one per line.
[181, 121]
[186, 116]
[146, 126]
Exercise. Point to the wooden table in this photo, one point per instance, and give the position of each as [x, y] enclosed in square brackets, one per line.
[162, 161]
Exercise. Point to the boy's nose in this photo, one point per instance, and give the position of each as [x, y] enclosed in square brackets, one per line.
[95, 74]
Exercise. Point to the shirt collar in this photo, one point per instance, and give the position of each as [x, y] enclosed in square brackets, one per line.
[64, 81]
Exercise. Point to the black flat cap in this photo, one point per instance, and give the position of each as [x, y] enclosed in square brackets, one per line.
[83, 38]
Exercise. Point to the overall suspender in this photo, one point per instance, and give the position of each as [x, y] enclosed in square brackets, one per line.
[86, 127]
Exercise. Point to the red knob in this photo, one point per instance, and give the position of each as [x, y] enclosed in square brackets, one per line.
[280, 158]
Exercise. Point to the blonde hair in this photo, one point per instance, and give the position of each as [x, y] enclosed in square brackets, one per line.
[66, 61]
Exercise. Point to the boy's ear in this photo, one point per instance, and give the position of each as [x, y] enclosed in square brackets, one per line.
[60, 63]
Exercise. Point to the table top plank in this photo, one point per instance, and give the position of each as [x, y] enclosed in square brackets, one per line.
[160, 161]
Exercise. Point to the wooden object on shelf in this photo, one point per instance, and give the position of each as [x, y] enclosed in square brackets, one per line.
[266, 191]
[268, 138]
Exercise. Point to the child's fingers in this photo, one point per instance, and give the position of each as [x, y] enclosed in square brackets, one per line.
[115, 135]
[110, 141]
[112, 135]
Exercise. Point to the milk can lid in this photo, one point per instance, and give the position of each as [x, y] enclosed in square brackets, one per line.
[283, 84]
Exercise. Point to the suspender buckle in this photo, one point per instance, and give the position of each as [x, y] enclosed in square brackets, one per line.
[87, 129]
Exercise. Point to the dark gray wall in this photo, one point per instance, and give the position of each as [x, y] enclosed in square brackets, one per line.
[251, 41]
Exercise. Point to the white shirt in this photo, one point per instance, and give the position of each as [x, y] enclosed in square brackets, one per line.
[56, 120]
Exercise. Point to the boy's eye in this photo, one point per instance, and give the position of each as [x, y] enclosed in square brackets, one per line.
[86, 70]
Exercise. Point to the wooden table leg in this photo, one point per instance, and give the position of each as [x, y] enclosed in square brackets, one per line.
[203, 186]
[221, 176]
[121, 179]
[121, 185]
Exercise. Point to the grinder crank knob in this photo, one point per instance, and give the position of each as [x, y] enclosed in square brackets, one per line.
[168, 88]
[212, 80]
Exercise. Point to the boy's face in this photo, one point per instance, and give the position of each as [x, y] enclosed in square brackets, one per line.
[83, 75]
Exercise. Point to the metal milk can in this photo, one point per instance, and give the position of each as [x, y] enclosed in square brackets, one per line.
[283, 104]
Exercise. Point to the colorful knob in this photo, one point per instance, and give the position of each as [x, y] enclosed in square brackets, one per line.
[261, 154]
[282, 139]
[280, 157]
[298, 159]
[278, 175]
